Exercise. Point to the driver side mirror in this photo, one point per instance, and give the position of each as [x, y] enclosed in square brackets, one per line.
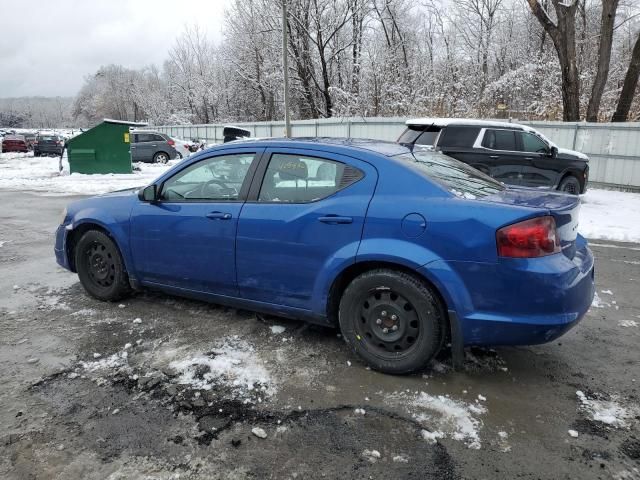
[553, 152]
[149, 194]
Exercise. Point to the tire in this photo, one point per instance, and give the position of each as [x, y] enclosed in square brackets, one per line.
[368, 307]
[100, 267]
[160, 157]
[178, 155]
[570, 184]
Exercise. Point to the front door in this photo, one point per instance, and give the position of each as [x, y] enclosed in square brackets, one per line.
[539, 169]
[305, 219]
[187, 238]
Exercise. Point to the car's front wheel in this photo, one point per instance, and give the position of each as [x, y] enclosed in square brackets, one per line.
[392, 320]
[100, 267]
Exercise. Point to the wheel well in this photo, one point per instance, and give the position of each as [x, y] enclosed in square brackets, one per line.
[578, 176]
[76, 235]
[346, 277]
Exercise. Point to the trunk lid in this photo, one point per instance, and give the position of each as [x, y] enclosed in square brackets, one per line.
[564, 208]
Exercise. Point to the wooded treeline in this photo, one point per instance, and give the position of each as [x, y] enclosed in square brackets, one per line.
[533, 59]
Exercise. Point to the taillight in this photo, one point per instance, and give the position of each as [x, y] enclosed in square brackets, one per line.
[171, 142]
[536, 237]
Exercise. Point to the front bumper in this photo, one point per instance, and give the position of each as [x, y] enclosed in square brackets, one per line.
[60, 247]
[520, 301]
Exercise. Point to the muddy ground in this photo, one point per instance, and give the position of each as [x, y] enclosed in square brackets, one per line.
[161, 387]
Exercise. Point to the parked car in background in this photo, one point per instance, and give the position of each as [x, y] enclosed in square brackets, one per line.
[14, 143]
[152, 147]
[47, 144]
[511, 153]
[404, 251]
[30, 138]
[183, 147]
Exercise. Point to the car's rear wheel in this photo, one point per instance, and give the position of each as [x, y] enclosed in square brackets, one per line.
[392, 320]
[179, 156]
[161, 157]
[100, 267]
[570, 184]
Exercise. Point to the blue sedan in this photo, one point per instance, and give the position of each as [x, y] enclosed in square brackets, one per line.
[404, 251]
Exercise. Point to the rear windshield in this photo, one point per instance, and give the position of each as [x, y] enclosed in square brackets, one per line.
[420, 135]
[457, 177]
[48, 138]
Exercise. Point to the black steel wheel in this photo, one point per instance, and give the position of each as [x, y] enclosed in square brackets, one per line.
[393, 320]
[570, 184]
[100, 267]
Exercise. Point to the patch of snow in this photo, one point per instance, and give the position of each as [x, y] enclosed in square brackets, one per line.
[608, 292]
[431, 437]
[259, 432]
[277, 329]
[453, 418]
[371, 455]
[598, 302]
[401, 459]
[628, 323]
[113, 361]
[572, 433]
[232, 362]
[605, 411]
[359, 411]
[137, 320]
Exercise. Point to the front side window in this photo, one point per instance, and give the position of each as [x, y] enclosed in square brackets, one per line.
[533, 143]
[300, 179]
[500, 140]
[213, 179]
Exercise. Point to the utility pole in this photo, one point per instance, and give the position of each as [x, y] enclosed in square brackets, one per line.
[285, 67]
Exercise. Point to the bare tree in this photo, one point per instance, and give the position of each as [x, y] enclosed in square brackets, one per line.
[629, 86]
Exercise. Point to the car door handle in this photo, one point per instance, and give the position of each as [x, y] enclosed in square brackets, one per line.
[219, 216]
[335, 219]
[494, 156]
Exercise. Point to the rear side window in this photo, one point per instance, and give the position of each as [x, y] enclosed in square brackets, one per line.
[300, 179]
[500, 140]
[455, 176]
[454, 136]
[158, 138]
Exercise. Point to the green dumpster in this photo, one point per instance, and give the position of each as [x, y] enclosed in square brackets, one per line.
[104, 148]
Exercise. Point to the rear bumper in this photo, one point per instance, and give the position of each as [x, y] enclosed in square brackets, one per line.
[48, 149]
[520, 301]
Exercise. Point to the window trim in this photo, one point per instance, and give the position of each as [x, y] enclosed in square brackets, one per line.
[244, 189]
[259, 176]
[483, 131]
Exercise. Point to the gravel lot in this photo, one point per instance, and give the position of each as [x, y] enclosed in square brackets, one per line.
[161, 387]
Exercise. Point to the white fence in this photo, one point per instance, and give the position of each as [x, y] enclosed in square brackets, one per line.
[613, 148]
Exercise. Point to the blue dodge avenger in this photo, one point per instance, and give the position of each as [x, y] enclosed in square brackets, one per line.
[404, 251]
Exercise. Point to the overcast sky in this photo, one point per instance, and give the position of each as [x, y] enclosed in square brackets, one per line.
[48, 46]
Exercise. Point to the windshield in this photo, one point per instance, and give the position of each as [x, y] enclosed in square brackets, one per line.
[457, 177]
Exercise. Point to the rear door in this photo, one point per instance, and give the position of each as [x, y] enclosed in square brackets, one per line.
[304, 216]
[498, 150]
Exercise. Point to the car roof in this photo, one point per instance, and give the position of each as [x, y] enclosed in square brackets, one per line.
[444, 122]
[388, 149]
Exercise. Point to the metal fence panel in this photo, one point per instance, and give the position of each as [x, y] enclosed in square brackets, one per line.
[613, 148]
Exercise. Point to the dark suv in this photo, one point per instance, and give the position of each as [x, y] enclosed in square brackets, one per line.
[152, 147]
[48, 144]
[511, 153]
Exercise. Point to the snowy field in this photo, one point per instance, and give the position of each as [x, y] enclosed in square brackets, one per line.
[605, 214]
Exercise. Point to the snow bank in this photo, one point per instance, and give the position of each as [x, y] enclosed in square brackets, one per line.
[606, 214]
[23, 171]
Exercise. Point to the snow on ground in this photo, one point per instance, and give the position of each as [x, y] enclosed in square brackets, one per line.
[232, 362]
[23, 171]
[605, 214]
[610, 412]
[451, 418]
